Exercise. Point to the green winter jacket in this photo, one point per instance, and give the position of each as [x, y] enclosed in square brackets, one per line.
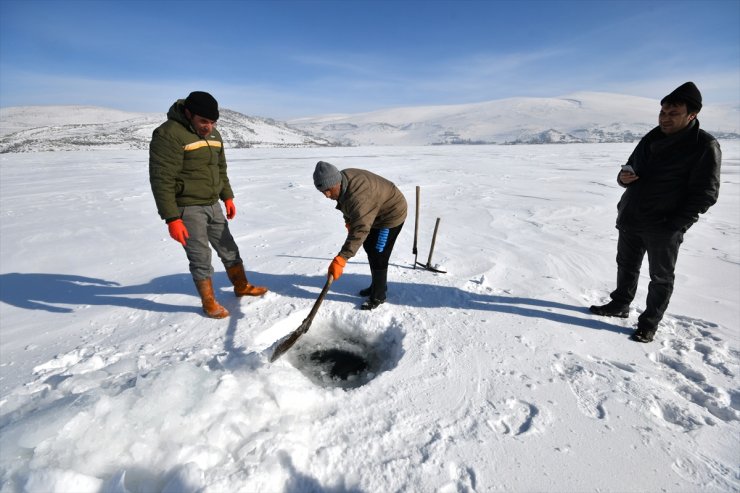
[368, 201]
[185, 168]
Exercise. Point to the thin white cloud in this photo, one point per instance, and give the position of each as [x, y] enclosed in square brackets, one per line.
[360, 87]
[132, 95]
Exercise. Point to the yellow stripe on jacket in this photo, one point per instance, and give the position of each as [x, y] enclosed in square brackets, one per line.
[202, 143]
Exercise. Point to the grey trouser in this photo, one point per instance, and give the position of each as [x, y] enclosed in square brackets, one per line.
[206, 226]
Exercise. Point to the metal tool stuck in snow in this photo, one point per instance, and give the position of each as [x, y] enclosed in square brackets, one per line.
[416, 226]
[428, 265]
[287, 342]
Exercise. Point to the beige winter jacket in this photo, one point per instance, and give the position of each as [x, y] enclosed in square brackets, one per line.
[368, 201]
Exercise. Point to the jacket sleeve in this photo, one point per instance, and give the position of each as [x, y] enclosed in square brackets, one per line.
[226, 192]
[165, 165]
[703, 188]
[360, 216]
[632, 161]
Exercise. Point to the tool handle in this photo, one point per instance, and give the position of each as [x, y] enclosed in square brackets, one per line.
[416, 222]
[282, 346]
[321, 297]
[434, 240]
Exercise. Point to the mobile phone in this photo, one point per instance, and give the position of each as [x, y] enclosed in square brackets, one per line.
[628, 169]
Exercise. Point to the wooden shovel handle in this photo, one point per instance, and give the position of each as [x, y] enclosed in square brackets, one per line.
[416, 222]
[287, 342]
[315, 308]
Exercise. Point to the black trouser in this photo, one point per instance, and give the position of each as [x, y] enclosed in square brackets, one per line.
[662, 250]
[378, 245]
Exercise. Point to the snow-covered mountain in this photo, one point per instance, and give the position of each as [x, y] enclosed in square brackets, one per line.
[581, 117]
[66, 128]
[586, 117]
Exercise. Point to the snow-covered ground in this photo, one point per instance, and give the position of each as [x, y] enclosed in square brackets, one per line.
[492, 377]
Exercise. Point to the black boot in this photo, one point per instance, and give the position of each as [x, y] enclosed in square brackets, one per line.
[377, 290]
[611, 309]
[367, 291]
[643, 334]
[371, 304]
[379, 287]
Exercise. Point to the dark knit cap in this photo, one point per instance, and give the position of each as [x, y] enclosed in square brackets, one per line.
[686, 93]
[202, 104]
[325, 176]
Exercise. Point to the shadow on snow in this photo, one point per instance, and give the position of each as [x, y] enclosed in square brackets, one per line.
[62, 293]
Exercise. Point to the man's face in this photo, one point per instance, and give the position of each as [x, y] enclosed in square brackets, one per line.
[333, 192]
[674, 118]
[202, 126]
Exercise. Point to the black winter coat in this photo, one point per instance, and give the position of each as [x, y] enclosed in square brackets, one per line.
[679, 179]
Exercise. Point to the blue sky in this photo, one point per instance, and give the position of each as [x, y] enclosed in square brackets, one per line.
[287, 59]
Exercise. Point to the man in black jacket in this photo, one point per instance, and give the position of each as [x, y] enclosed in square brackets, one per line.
[671, 177]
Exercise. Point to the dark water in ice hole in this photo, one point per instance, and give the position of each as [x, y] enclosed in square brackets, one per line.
[341, 358]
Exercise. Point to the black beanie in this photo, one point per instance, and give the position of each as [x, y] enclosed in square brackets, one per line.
[202, 104]
[686, 93]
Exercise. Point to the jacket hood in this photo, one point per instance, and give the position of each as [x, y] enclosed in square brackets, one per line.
[177, 113]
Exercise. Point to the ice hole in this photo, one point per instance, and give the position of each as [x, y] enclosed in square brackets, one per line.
[334, 357]
[339, 363]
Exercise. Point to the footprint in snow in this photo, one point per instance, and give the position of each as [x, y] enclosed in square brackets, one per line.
[514, 417]
[701, 367]
[701, 470]
[587, 386]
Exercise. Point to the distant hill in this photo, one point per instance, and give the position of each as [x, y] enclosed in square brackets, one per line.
[65, 128]
[580, 117]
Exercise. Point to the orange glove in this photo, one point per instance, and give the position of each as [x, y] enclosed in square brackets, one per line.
[230, 208]
[178, 231]
[337, 267]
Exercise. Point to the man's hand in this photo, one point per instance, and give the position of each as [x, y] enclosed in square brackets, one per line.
[230, 208]
[337, 267]
[178, 231]
[626, 177]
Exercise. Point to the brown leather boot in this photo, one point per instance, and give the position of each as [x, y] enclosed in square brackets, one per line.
[241, 286]
[210, 306]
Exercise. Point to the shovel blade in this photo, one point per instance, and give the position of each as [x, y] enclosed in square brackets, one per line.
[287, 342]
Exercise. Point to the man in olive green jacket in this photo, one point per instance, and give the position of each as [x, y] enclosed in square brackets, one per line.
[374, 211]
[187, 172]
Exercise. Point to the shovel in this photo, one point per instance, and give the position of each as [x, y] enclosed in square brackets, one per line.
[287, 342]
